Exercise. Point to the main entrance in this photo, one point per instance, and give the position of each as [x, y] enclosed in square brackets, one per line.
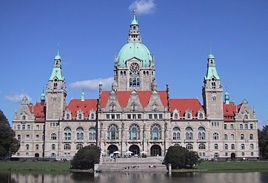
[135, 149]
[155, 150]
[112, 148]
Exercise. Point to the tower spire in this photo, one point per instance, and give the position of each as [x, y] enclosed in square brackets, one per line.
[134, 33]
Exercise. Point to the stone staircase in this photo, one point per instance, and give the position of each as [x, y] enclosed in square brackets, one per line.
[133, 164]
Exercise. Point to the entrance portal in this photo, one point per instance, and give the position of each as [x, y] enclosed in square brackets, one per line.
[36, 155]
[233, 156]
[155, 150]
[112, 148]
[135, 149]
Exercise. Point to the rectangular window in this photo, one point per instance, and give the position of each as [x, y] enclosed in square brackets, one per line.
[150, 116]
[139, 116]
[129, 116]
[225, 126]
[155, 116]
[251, 126]
[134, 116]
[107, 116]
[117, 116]
[37, 127]
[232, 126]
[246, 126]
[160, 116]
[113, 116]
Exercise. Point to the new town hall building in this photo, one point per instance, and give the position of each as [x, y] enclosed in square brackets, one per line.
[135, 115]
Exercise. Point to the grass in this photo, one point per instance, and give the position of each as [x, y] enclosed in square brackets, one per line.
[35, 166]
[234, 166]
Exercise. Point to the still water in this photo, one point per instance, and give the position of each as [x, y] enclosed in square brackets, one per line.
[253, 177]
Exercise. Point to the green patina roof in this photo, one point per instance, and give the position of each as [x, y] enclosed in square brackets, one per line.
[134, 21]
[134, 50]
[56, 74]
[212, 72]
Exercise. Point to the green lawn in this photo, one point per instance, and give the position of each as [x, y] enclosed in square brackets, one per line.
[37, 166]
[234, 166]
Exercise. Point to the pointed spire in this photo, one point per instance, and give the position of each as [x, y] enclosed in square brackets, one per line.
[83, 96]
[57, 72]
[57, 57]
[211, 68]
[227, 98]
[134, 33]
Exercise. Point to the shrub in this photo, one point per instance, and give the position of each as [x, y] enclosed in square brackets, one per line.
[86, 157]
[179, 157]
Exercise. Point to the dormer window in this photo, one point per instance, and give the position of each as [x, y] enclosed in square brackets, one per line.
[188, 115]
[67, 115]
[23, 117]
[200, 115]
[92, 115]
[175, 115]
[80, 115]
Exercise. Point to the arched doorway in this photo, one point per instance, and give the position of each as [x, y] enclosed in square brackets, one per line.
[112, 148]
[36, 155]
[233, 156]
[135, 149]
[155, 150]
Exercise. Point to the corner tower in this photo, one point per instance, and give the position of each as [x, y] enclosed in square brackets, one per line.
[134, 66]
[213, 91]
[55, 92]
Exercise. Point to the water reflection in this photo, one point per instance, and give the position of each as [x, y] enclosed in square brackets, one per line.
[251, 177]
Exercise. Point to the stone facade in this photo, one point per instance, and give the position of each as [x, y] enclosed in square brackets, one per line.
[135, 116]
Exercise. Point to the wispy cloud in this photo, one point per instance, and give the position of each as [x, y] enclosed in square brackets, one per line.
[142, 6]
[93, 84]
[17, 97]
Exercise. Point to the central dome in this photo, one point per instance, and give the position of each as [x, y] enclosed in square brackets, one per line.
[134, 50]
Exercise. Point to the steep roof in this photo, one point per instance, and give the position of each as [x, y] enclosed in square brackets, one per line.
[123, 97]
[86, 106]
[182, 105]
[38, 110]
[229, 111]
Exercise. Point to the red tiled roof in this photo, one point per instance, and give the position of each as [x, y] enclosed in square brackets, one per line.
[182, 105]
[38, 111]
[229, 111]
[123, 97]
[86, 106]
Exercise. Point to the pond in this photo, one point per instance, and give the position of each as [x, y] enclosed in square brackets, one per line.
[252, 177]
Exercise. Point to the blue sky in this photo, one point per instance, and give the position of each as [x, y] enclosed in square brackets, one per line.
[178, 33]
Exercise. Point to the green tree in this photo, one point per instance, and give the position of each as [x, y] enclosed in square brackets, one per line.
[179, 157]
[86, 157]
[263, 142]
[8, 143]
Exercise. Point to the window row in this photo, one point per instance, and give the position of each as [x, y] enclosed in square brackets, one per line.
[241, 126]
[27, 127]
[79, 134]
[80, 115]
[187, 115]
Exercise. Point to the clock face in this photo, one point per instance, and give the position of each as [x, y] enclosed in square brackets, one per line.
[134, 67]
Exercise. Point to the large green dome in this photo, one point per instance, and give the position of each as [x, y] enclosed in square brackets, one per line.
[134, 50]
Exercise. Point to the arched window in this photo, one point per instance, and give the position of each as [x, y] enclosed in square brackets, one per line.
[201, 133]
[189, 146]
[67, 133]
[189, 133]
[79, 146]
[225, 146]
[232, 146]
[188, 115]
[241, 126]
[155, 132]
[113, 132]
[232, 136]
[79, 133]
[175, 114]
[251, 137]
[37, 147]
[53, 136]
[68, 116]
[176, 133]
[18, 127]
[215, 136]
[216, 146]
[242, 146]
[200, 115]
[67, 147]
[19, 137]
[92, 134]
[225, 137]
[92, 115]
[251, 146]
[53, 146]
[242, 136]
[134, 132]
[27, 146]
[202, 146]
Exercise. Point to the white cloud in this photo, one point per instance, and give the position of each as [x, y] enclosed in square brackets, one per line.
[142, 6]
[17, 97]
[93, 84]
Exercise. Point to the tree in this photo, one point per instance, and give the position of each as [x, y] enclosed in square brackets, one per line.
[8, 143]
[86, 157]
[180, 157]
[263, 142]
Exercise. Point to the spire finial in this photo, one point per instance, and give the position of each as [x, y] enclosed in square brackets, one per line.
[83, 96]
[134, 21]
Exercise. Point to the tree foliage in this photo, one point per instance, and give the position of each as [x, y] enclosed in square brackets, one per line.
[263, 142]
[8, 143]
[179, 157]
[86, 157]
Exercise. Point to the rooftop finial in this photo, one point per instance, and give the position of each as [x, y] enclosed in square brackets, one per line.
[134, 21]
[83, 96]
